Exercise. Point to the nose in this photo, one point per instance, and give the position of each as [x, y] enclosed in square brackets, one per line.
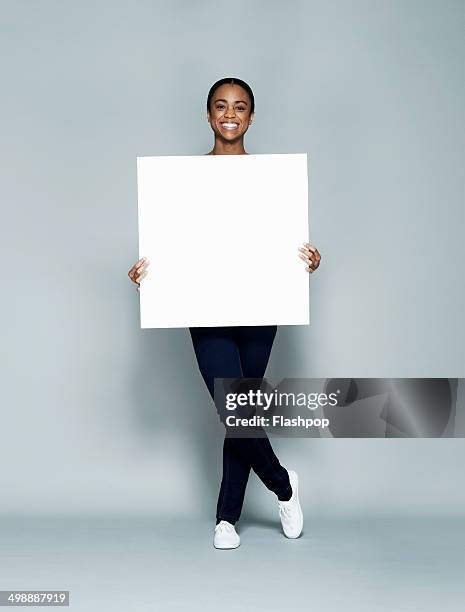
[230, 112]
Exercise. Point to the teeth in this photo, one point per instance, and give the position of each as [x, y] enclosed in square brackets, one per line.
[230, 126]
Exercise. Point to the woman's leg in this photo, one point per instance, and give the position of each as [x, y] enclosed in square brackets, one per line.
[217, 355]
[255, 344]
[219, 351]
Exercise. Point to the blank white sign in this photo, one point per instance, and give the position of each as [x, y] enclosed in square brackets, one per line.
[222, 234]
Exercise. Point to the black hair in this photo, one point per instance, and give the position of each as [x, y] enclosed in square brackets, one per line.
[231, 81]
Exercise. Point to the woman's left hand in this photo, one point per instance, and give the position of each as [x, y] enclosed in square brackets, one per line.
[311, 256]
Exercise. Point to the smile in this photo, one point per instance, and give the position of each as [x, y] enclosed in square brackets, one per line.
[230, 125]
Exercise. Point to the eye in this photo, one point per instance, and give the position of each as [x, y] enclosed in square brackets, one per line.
[220, 106]
[240, 109]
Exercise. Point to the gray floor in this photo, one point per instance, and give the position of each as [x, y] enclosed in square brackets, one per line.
[127, 564]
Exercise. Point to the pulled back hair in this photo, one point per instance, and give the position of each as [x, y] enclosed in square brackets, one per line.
[231, 81]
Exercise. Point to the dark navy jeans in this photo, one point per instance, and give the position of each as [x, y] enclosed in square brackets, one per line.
[240, 352]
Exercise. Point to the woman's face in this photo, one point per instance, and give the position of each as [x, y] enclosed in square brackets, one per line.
[229, 113]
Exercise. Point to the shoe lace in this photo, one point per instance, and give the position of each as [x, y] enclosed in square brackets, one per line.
[223, 526]
[284, 509]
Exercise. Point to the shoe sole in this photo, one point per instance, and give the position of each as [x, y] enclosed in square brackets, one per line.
[227, 547]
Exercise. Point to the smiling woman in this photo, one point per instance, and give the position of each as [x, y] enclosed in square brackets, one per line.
[230, 111]
[241, 351]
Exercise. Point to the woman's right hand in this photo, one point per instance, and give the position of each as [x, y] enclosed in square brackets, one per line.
[138, 271]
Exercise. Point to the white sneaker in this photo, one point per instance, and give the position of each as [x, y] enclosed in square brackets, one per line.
[225, 536]
[290, 511]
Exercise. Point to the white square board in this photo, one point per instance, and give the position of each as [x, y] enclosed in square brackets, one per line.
[222, 234]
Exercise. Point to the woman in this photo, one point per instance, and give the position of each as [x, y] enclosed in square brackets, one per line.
[236, 352]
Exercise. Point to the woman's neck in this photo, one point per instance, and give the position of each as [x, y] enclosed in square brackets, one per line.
[228, 148]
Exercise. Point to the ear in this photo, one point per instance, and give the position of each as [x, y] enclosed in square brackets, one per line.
[252, 117]
[208, 116]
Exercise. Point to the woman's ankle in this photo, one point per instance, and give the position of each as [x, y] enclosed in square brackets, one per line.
[228, 520]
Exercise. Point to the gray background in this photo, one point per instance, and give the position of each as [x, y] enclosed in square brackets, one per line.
[100, 417]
